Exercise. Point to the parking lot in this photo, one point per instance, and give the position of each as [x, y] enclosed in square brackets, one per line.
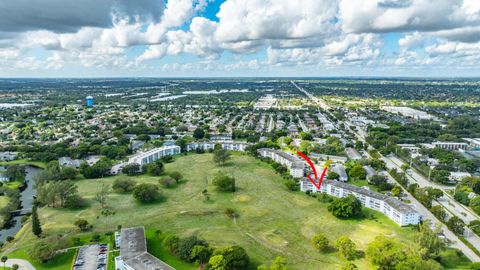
[92, 257]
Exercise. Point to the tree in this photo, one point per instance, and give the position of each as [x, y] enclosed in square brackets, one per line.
[199, 133]
[146, 193]
[69, 173]
[200, 254]
[36, 227]
[349, 266]
[172, 243]
[429, 240]
[332, 175]
[15, 267]
[102, 195]
[43, 251]
[439, 212]
[320, 242]
[82, 224]
[4, 260]
[224, 183]
[221, 156]
[396, 190]
[186, 245]
[123, 185]
[346, 247]
[15, 172]
[357, 172]
[278, 264]
[154, 168]
[345, 207]
[131, 169]
[230, 258]
[385, 252]
[176, 176]
[456, 225]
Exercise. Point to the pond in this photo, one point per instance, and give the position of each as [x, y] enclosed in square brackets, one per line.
[26, 199]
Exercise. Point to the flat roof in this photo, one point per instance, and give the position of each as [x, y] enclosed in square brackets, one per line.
[133, 250]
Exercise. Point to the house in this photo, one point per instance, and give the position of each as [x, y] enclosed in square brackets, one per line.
[134, 254]
[340, 170]
[69, 162]
[143, 158]
[458, 176]
[8, 156]
[353, 153]
[293, 163]
[370, 172]
[397, 211]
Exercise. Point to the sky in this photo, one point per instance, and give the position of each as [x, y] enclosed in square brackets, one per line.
[239, 38]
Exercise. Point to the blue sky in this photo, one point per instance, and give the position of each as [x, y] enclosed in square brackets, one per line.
[228, 38]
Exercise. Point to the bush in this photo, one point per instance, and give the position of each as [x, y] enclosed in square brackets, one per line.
[123, 185]
[320, 242]
[167, 182]
[224, 183]
[146, 193]
[345, 207]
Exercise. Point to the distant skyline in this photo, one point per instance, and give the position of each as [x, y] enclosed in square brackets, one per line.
[240, 38]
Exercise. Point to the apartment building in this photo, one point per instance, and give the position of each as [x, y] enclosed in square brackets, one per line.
[451, 145]
[293, 163]
[150, 156]
[227, 145]
[397, 211]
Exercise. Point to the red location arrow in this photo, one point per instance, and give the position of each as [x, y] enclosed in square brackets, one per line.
[314, 171]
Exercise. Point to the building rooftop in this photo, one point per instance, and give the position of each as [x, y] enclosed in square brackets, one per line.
[393, 202]
[133, 250]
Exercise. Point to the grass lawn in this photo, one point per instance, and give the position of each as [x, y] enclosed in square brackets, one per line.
[61, 262]
[4, 201]
[272, 221]
[24, 162]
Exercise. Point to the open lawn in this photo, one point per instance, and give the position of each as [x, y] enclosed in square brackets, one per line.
[38, 164]
[272, 220]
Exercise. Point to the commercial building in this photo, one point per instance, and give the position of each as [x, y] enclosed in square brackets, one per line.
[409, 112]
[397, 211]
[150, 156]
[451, 145]
[210, 145]
[134, 254]
[293, 163]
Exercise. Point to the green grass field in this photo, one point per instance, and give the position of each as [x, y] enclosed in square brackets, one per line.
[272, 221]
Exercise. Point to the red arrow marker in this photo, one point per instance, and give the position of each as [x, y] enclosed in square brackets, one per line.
[310, 163]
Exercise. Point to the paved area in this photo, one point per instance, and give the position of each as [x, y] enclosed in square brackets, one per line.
[23, 264]
[92, 257]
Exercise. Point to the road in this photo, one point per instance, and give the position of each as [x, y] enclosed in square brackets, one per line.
[23, 264]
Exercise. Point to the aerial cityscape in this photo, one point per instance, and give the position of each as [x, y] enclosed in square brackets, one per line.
[239, 135]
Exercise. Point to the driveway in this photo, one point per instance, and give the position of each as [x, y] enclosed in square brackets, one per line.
[23, 264]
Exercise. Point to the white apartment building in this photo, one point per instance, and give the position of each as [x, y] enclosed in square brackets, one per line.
[451, 145]
[293, 163]
[134, 254]
[150, 156]
[397, 211]
[227, 145]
